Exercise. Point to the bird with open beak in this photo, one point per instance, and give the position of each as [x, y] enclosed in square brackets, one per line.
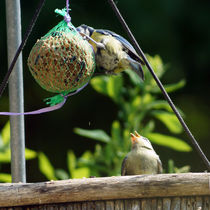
[142, 159]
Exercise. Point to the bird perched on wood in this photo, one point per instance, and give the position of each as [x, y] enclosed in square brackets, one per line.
[142, 159]
[113, 53]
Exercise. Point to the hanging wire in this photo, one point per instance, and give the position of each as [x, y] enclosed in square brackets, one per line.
[20, 48]
[138, 49]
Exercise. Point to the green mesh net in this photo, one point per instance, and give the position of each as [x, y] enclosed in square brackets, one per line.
[62, 61]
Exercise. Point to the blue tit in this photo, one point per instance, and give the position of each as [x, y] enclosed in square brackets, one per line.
[113, 53]
[142, 159]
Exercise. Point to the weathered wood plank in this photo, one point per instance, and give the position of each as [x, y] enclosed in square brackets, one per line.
[61, 207]
[127, 204]
[119, 205]
[109, 188]
[109, 205]
[176, 203]
[183, 203]
[69, 207]
[159, 204]
[206, 203]
[91, 205]
[135, 204]
[166, 203]
[154, 203]
[77, 206]
[100, 205]
[198, 203]
[146, 204]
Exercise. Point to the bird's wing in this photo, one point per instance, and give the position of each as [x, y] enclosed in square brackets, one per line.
[160, 167]
[131, 51]
[123, 167]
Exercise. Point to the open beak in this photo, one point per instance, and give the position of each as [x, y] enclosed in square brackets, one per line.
[134, 137]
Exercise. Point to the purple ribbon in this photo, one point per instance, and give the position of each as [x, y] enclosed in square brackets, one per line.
[67, 17]
[39, 111]
[46, 109]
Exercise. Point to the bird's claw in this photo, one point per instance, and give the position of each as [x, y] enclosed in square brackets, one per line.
[98, 44]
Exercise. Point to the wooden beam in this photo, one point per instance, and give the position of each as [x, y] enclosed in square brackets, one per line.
[108, 188]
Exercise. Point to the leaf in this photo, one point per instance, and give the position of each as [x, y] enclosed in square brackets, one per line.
[5, 133]
[100, 84]
[86, 159]
[148, 128]
[184, 169]
[173, 169]
[71, 162]
[169, 120]
[171, 166]
[81, 173]
[169, 141]
[171, 87]
[159, 104]
[76, 172]
[1, 144]
[5, 178]
[157, 65]
[5, 156]
[116, 132]
[61, 174]
[147, 99]
[86, 156]
[114, 87]
[46, 167]
[136, 102]
[98, 135]
[134, 78]
[30, 154]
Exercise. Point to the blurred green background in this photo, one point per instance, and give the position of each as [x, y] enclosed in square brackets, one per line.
[178, 31]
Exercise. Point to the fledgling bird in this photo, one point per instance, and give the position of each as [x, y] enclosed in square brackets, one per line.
[142, 159]
[113, 53]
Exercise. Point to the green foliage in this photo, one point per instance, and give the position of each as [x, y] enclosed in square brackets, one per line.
[5, 152]
[96, 135]
[169, 141]
[139, 108]
[74, 170]
[46, 167]
[5, 177]
[173, 169]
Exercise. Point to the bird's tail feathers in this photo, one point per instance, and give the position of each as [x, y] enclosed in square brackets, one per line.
[136, 67]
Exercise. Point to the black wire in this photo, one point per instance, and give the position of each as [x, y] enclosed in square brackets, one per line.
[138, 49]
[20, 48]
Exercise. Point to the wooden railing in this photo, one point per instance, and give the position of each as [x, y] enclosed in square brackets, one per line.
[163, 191]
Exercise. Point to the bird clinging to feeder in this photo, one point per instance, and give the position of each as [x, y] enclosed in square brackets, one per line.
[113, 53]
[142, 159]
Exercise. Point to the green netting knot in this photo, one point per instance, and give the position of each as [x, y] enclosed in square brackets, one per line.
[55, 99]
[61, 12]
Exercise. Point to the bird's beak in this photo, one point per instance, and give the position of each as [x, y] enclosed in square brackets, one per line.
[137, 134]
[133, 138]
